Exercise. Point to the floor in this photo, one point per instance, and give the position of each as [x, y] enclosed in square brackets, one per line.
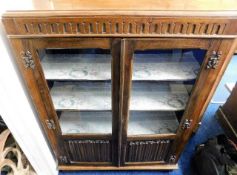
[208, 129]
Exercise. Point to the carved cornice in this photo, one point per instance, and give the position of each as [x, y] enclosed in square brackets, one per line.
[126, 26]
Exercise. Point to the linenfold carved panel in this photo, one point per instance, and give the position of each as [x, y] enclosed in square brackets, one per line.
[88, 150]
[125, 26]
[142, 151]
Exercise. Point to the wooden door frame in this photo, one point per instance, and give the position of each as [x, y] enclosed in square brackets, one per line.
[121, 50]
[205, 84]
[204, 88]
[39, 92]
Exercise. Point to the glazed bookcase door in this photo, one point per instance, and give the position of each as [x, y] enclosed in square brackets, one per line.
[159, 78]
[80, 79]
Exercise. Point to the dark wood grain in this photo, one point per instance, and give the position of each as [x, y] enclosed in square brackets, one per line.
[116, 130]
[125, 86]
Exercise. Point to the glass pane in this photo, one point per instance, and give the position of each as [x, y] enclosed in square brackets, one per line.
[162, 82]
[80, 86]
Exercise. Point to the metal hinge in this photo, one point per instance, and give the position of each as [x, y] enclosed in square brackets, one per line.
[63, 159]
[186, 124]
[214, 60]
[172, 159]
[27, 59]
[50, 124]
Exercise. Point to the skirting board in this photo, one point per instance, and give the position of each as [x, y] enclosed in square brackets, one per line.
[128, 167]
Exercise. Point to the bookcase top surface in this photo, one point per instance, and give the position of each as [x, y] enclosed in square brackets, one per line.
[134, 7]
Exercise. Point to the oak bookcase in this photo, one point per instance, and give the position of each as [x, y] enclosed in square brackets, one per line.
[121, 84]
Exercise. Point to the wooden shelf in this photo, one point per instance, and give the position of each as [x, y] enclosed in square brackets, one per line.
[101, 122]
[158, 67]
[141, 123]
[97, 96]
